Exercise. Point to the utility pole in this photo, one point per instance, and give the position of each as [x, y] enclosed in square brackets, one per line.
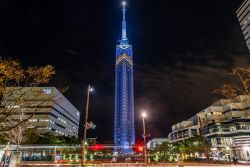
[203, 138]
[144, 138]
[85, 127]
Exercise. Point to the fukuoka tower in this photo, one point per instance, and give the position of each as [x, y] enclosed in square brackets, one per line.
[124, 128]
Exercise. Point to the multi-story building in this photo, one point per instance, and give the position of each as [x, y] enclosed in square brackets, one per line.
[184, 130]
[225, 125]
[45, 107]
[156, 141]
[243, 14]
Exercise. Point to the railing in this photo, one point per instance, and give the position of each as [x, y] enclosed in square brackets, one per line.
[71, 156]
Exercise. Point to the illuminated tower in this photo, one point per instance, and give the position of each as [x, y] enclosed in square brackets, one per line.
[124, 129]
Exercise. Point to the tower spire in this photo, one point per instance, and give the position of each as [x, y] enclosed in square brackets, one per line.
[124, 29]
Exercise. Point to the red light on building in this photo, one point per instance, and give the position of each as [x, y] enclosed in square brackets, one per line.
[96, 147]
[138, 148]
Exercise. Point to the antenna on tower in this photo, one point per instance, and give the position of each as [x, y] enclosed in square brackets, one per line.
[124, 29]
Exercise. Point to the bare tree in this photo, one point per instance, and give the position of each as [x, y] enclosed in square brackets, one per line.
[17, 84]
[17, 134]
[240, 86]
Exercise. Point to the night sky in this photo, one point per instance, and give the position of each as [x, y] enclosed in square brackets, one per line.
[183, 50]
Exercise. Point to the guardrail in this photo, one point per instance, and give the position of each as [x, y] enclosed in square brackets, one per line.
[134, 165]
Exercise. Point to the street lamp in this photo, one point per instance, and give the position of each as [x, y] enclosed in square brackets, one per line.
[200, 122]
[124, 3]
[90, 89]
[144, 115]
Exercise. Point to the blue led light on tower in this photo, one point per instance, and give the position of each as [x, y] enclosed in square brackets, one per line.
[124, 130]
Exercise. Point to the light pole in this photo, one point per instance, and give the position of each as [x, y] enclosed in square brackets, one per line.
[144, 115]
[203, 137]
[90, 89]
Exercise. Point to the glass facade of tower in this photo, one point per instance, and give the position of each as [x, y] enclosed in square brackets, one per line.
[124, 132]
[243, 14]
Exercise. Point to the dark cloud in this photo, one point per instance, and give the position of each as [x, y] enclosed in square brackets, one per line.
[179, 92]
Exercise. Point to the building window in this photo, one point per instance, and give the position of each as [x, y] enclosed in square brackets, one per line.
[226, 141]
[232, 128]
[213, 142]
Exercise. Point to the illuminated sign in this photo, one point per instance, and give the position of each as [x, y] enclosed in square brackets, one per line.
[47, 91]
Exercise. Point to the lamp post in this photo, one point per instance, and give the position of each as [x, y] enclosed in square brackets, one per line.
[144, 115]
[90, 89]
[203, 137]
